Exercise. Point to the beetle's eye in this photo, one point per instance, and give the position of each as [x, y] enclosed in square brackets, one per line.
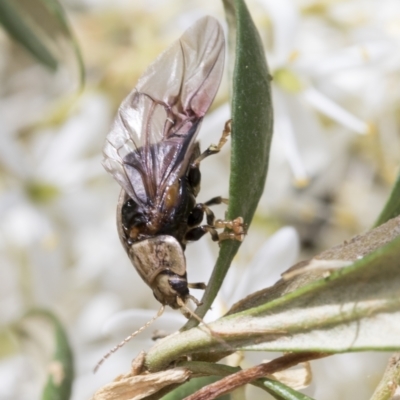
[179, 284]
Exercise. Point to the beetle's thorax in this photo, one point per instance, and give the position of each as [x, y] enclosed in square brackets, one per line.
[161, 263]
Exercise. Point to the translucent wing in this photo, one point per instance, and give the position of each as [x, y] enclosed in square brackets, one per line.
[153, 134]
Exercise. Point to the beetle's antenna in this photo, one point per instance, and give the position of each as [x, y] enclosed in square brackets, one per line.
[128, 338]
[215, 335]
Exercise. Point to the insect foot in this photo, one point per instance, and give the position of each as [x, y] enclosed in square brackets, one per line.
[237, 226]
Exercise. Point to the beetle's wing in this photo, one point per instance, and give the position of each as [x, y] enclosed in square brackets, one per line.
[153, 134]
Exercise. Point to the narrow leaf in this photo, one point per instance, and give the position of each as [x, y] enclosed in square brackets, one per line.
[38, 25]
[192, 386]
[42, 329]
[354, 308]
[61, 371]
[252, 118]
[392, 206]
[14, 22]
[58, 12]
[283, 392]
[251, 135]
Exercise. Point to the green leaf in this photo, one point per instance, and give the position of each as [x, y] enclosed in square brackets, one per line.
[37, 25]
[14, 22]
[252, 118]
[392, 206]
[43, 330]
[59, 384]
[251, 135]
[192, 386]
[56, 9]
[282, 392]
[317, 307]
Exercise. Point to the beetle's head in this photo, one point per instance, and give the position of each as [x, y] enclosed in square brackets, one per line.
[168, 287]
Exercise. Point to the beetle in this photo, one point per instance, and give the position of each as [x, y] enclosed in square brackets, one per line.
[153, 154]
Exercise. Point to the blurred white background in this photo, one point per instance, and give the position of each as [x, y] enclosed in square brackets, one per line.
[335, 155]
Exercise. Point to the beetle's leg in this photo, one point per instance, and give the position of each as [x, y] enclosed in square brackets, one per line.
[237, 231]
[196, 215]
[216, 200]
[195, 301]
[200, 231]
[214, 149]
[197, 285]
